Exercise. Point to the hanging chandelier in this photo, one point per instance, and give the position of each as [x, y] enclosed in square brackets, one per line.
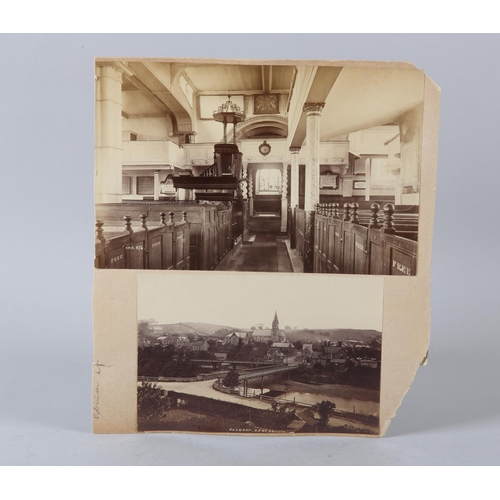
[229, 112]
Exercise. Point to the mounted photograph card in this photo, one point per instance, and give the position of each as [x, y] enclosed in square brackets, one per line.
[316, 181]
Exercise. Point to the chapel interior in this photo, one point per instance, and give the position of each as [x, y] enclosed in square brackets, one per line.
[257, 166]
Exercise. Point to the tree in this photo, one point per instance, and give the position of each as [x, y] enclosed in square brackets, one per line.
[143, 328]
[232, 379]
[152, 401]
[205, 355]
[325, 408]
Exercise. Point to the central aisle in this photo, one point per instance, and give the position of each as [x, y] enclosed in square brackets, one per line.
[268, 253]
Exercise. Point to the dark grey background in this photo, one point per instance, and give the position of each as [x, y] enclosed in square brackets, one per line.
[451, 414]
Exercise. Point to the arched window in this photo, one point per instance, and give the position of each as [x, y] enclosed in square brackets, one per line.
[268, 181]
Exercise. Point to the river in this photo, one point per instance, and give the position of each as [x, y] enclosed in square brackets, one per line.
[344, 404]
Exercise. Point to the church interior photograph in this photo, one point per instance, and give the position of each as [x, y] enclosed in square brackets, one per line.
[270, 166]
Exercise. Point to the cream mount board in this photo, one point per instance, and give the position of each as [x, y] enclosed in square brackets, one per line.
[271, 278]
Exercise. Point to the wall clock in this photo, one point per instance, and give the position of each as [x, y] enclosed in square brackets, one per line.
[264, 148]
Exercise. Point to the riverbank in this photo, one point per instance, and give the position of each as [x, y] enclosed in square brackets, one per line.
[199, 414]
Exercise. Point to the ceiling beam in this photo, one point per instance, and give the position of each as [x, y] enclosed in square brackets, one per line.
[267, 75]
[323, 82]
[147, 93]
[240, 92]
[157, 79]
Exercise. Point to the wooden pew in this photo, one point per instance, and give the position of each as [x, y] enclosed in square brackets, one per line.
[342, 244]
[163, 247]
[304, 235]
[210, 236]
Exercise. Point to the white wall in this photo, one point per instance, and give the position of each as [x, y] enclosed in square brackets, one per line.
[149, 129]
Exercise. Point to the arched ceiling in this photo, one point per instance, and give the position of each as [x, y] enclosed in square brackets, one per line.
[263, 127]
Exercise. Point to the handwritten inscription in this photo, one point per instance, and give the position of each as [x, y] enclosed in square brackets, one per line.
[360, 246]
[136, 247]
[96, 412]
[336, 234]
[401, 268]
[116, 259]
[95, 408]
[157, 244]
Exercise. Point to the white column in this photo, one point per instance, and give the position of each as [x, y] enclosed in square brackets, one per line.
[294, 177]
[368, 178]
[313, 113]
[284, 204]
[108, 135]
[156, 185]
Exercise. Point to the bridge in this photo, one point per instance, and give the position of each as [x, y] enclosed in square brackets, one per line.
[218, 363]
[264, 372]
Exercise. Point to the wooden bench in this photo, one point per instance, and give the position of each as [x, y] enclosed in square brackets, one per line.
[336, 239]
[211, 226]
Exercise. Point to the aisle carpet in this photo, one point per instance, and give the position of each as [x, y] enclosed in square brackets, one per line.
[267, 253]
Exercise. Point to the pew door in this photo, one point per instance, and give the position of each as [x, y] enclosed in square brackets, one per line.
[347, 249]
[167, 247]
[181, 246]
[400, 256]
[337, 231]
[115, 252]
[375, 252]
[320, 243]
[135, 251]
[360, 250]
[155, 251]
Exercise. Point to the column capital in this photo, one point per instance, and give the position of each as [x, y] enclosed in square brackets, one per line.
[313, 108]
[294, 150]
[123, 69]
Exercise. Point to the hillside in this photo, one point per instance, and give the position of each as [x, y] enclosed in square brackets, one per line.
[332, 334]
[198, 329]
[203, 330]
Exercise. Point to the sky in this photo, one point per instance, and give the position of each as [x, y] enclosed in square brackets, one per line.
[245, 299]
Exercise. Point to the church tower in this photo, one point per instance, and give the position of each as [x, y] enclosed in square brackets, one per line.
[276, 328]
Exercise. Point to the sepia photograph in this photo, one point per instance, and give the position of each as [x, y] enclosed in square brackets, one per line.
[266, 166]
[271, 359]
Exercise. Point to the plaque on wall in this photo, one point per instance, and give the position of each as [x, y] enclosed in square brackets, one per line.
[265, 104]
[145, 185]
[360, 166]
[359, 185]
[329, 181]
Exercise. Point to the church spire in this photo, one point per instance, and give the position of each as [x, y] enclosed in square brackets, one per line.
[276, 327]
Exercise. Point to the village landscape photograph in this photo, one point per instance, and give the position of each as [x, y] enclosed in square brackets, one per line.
[267, 357]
